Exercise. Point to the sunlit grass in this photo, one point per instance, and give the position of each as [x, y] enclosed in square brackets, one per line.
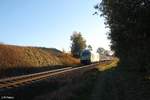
[108, 64]
[18, 60]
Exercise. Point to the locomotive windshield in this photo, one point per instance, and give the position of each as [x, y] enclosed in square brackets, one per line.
[85, 53]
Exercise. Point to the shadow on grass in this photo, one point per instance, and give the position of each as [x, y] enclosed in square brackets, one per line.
[77, 87]
[10, 72]
[118, 84]
[111, 84]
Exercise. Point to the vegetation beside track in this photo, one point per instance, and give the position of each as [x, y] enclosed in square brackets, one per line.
[108, 64]
[76, 85]
[79, 87]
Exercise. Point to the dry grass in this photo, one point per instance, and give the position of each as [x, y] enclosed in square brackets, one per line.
[107, 64]
[17, 57]
[75, 87]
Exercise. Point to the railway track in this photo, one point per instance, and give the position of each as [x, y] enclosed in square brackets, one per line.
[18, 81]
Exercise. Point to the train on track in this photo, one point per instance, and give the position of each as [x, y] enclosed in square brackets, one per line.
[87, 57]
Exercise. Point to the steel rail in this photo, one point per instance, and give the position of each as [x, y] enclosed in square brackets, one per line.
[21, 80]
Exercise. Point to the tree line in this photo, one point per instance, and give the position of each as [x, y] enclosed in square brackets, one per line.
[79, 44]
[129, 24]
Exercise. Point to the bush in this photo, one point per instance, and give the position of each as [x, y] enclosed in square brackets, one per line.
[129, 23]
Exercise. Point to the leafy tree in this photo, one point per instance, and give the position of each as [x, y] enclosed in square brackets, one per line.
[106, 53]
[100, 51]
[90, 47]
[78, 44]
[129, 24]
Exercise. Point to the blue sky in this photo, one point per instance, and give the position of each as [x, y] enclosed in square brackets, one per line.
[50, 23]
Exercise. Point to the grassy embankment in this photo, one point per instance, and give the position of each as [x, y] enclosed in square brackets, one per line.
[17, 60]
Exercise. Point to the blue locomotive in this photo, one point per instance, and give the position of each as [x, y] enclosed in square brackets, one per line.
[85, 57]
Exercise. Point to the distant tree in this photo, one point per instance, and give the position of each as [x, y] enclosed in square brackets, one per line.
[106, 53]
[129, 24]
[78, 44]
[101, 52]
[90, 47]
